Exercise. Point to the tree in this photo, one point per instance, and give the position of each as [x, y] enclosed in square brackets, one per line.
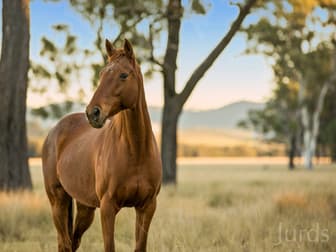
[161, 17]
[289, 36]
[173, 101]
[278, 121]
[321, 69]
[14, 66]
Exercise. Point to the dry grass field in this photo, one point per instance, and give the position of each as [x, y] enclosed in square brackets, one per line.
[201, 142]
[215, 207]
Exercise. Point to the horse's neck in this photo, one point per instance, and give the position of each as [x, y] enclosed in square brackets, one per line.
[135, 128]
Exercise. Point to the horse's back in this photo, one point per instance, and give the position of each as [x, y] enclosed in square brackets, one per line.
[68, 158]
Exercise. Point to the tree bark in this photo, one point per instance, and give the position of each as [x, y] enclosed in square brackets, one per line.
[291, 153]
[173, 102]
[14, 64]
[333, 153]
[311, 126]
[169, 142]
[316, 120]
[171, 108]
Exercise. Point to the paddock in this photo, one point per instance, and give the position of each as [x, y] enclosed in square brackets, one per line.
[215, 207]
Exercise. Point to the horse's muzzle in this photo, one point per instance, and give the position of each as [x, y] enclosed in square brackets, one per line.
[95, 117]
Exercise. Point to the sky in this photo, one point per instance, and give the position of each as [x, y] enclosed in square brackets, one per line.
[234, 76]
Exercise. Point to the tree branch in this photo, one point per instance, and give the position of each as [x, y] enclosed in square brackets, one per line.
[152, 57]
[174, 15]
[99, 38]
[205, 65]
[129, 27]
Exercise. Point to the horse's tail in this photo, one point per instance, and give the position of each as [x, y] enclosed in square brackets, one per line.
[70, 219]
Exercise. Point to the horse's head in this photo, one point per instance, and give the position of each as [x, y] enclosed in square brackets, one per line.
[118, 85]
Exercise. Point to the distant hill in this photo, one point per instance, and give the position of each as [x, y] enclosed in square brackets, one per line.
[226, 117]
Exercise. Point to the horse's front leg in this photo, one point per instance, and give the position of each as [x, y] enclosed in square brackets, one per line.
[143, 220]
[108, 212]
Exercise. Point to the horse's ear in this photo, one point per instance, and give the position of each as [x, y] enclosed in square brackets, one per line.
[109, 47]
[128, 49]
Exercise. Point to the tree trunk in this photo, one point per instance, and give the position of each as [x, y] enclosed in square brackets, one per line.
[311, 126]
[170, 108]
[307, 147]
[14, 64]
[311, 131]
[305, 120]
[333, 152]
[291, 153]
[169, 142]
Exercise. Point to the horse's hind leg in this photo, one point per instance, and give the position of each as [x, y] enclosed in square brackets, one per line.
[84, 219]
[61, 205]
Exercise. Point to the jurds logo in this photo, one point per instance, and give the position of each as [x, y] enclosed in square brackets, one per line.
[298, 235]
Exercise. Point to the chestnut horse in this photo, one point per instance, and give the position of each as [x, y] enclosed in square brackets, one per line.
[113, 164]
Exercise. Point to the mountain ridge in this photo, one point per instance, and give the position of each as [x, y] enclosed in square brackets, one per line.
[225, 117]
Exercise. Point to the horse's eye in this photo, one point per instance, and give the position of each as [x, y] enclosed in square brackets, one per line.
[123, 76]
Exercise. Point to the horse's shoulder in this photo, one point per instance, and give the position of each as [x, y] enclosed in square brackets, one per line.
[69, 127]
[72, 122]
[73, 118]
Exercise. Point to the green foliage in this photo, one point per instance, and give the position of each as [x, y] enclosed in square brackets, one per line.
[62, 64]
[328, 124]
[287, 34]
[57, 66]
[278, 120]
[53, 110]
[139, 21]
[198, 7]
[41, 112]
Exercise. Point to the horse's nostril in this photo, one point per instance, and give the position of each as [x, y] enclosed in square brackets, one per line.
[96, 111]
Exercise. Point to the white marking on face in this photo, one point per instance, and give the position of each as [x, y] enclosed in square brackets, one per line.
[110, 67]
